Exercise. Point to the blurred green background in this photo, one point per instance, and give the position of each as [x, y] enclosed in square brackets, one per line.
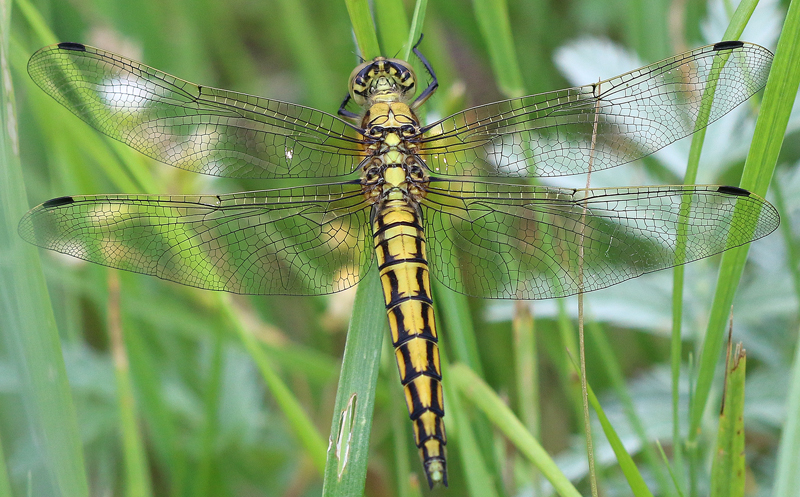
[198, 418]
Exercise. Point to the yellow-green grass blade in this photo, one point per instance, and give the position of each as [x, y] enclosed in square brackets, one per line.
[728, 467]
[417, 21]
[779, 96]
[478, 393]
[348, 445]
[122, 166]
[30, 338]
[526, 369]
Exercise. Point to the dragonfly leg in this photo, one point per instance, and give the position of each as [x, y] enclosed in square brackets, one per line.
[344, 112]
[434, 83]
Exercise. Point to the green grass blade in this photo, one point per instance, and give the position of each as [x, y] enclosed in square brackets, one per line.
[305, 46]
[456, 317]
[363, 28]
[495, 26]
[399, 423]
[787, 478]
[782, 85]
[392, 21]
[30, 338]
[728, 467]
[482, 396]
[526, 369]
[5, 483]
[348, 450]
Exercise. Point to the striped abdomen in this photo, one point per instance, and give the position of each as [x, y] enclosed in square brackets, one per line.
[400, 248]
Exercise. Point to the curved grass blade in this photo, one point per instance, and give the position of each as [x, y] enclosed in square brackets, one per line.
[483, 397]
[295, 416]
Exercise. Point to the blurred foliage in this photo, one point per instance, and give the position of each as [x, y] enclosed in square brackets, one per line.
[207, 422]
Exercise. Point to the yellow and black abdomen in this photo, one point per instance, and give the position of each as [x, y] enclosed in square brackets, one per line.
[400, 248]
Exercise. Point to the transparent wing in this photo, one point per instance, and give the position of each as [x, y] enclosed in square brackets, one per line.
[197, 128]
[633, 115]
[523, 242]
[293, 241]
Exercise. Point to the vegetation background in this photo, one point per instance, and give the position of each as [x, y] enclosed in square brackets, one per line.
[170, 400]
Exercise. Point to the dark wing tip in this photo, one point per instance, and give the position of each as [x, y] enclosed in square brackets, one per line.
[77, 47]
[728, 45]
[58, 202]
[733, 190]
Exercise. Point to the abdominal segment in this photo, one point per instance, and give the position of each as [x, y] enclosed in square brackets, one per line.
[400, 248]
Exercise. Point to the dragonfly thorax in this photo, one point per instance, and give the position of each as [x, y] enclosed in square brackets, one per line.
[382, 80]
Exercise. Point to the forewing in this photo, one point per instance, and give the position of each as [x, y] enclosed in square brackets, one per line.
[524, 242]
[292, 241]
[630, 116]
[197, 128]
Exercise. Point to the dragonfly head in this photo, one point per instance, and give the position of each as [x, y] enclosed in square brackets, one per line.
[382, 80]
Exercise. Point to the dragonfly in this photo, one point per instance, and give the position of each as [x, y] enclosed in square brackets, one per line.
[448, 198]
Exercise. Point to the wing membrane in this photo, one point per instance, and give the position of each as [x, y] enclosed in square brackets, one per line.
[197, 128]
[294, 241]
[522, 242]
[632, 115]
